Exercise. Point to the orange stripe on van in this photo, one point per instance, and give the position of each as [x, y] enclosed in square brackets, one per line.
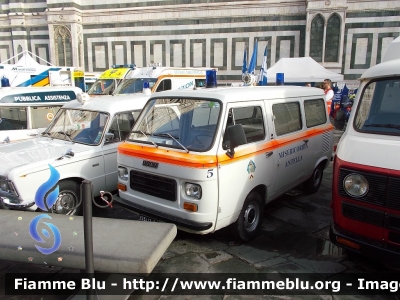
[197, 76]
[211, 161]
[167, 156]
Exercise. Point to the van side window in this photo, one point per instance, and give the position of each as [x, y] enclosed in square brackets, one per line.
[42, 116]
[287, 117]
[315, 112]
[200, 82]
[164, 85]
[16, 116]
[121, 126]
[252, 120]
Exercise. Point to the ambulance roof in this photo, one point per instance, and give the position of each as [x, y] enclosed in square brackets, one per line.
[111, 104]
[245, 93]
[37, 96]
[150, 72]
[34, 90]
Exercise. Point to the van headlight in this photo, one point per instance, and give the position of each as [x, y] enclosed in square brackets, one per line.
[123, 173]
[355, 185]
[193, 190]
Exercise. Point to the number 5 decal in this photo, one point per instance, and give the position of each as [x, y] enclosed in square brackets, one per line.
[210, 173]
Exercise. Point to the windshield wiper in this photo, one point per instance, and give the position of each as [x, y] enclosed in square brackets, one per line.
[172, 137]
[383, 125]
[146, 135]
[46, 133]
[66, 134]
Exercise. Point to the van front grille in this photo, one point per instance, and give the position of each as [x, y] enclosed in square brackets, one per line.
[383, 190]
[362, 214]
[154, 185]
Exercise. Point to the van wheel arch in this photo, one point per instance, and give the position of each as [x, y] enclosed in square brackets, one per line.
[312, 184]
[250, 218]
[69, 196]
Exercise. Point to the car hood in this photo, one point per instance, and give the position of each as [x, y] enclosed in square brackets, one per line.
[35, 150]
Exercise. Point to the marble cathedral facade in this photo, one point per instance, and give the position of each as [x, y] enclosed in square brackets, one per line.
[345, 36]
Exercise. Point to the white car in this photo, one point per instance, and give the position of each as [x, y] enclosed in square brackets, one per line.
[80, 144]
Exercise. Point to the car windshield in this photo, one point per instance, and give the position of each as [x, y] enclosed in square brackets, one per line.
[187, 124]
[102, 87]
[134, 85]
[80, 126]
[379, 108]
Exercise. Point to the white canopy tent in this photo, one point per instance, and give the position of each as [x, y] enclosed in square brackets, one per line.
[301, 69]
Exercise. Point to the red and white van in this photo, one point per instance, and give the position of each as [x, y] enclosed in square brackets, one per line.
[366, 178]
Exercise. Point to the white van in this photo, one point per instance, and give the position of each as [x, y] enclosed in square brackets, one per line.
[366, 176]
[227, 153]
[162, 79]
[81, 144]
[28, 111]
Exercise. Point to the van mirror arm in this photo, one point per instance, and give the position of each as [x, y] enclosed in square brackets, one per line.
[230, 153]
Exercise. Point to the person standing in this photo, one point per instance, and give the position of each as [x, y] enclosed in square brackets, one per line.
[328, 94]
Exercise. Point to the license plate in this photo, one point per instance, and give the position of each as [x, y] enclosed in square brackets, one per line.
[146, 219]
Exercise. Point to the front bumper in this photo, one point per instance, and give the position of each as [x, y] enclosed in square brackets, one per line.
[15, 203]
[377, 250]
[181, 223]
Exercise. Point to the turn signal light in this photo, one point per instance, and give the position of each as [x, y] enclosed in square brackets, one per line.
[348, 243]
[190, 206]
[122, 187]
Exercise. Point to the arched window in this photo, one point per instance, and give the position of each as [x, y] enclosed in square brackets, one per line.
[63, 46]
[332, 39]
[317, 38]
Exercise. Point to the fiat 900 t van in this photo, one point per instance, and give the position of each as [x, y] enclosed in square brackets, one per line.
[81, 143]
[224, 155]
[366, 174]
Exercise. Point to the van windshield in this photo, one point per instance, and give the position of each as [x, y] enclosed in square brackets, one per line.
[102, 87]
[188, 124]
[379, 108]
[134, 85]
[80, 126]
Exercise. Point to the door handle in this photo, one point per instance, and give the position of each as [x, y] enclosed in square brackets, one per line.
[268, 154]
[305, 141]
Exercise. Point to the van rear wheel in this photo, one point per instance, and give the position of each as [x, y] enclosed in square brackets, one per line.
[248, 224]
[312, 184]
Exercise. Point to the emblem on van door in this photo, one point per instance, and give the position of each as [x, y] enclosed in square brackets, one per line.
[150, 164]
[251, 168]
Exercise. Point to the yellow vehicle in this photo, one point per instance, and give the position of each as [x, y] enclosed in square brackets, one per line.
[110, 79]
[84, 80]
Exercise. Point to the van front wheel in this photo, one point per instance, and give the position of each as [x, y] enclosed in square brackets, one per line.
[249, 222]
[312, 184]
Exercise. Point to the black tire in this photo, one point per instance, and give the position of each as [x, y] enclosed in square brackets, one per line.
[68, 197]
[313, 183]
[249, 222]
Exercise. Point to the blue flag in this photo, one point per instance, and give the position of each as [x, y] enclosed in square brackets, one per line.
[253, 61]
[262, 79]
[244, 67]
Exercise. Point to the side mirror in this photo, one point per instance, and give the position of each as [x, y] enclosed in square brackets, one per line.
[109, 137]
[237, 137]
